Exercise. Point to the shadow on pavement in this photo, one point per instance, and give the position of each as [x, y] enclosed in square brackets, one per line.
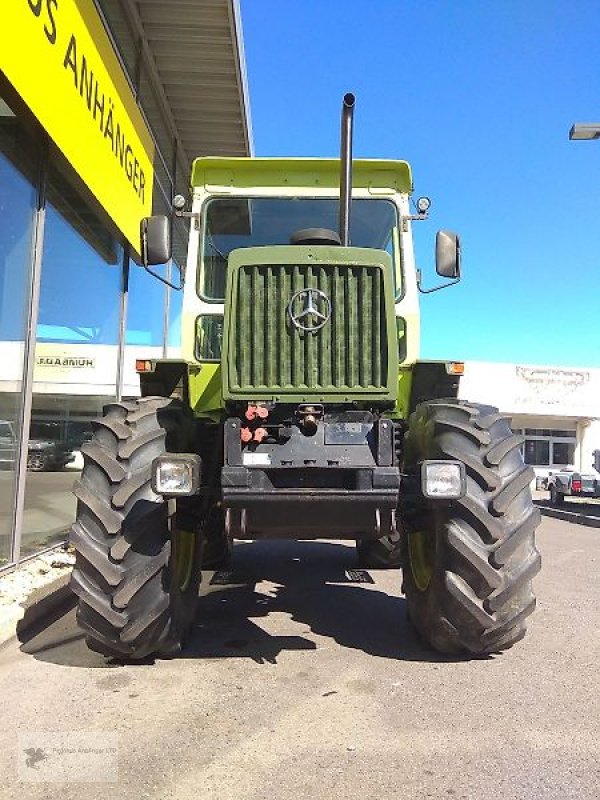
[315, 583]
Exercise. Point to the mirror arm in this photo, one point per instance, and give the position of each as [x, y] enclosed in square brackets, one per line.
[434, 288]
[193, 215]
[164, 280]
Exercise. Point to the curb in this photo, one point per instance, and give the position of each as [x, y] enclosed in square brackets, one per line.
[570, 516]
[41, 603]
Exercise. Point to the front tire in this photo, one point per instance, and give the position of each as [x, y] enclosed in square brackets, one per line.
[470, 562]
[136, 575]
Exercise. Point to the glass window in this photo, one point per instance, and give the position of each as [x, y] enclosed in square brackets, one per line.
[75, 358]
[18, 197]
[537, 452]
[563, 453]
[175, 312]
[147, 297]
[146, 307]
[209, 337]
[60, 424]
[81, 273]
[549, 432]
[230, 223]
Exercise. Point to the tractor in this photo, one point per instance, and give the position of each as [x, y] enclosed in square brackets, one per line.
[299, 409]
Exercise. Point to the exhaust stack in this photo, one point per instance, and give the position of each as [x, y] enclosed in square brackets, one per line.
[346, 168]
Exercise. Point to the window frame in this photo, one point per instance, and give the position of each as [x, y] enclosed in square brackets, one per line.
[395, 239]
[551, 439]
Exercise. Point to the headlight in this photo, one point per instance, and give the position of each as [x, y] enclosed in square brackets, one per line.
[176, 475]
[443, 480]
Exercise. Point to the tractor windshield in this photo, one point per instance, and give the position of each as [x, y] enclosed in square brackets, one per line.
[232, 222]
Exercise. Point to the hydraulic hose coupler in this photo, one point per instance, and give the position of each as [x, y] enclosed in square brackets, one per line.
[309, 423]
[308, 418]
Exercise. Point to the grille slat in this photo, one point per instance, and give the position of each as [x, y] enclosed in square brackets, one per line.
[268, 353]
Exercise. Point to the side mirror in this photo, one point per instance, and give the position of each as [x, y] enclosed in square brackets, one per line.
[447, 255]
[155, 234]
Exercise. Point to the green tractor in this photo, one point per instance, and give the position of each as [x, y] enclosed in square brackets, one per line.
[299, 409]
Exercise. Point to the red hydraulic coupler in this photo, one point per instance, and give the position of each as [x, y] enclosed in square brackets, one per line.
[245, 435]
[259, 434]
[253, 411]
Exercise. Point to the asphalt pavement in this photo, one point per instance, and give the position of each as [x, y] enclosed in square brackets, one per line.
[305, 680]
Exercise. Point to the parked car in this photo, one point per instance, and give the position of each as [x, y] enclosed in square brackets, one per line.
[45, 451]
[567, 482]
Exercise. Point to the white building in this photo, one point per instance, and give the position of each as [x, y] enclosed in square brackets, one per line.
[557, 409]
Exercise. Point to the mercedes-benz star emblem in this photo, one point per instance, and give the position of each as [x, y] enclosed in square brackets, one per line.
[316, 310]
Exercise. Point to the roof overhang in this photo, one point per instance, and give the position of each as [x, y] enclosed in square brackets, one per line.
[197, 57]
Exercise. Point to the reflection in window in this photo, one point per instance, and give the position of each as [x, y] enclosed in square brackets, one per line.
[60, 424]
[18, 166]
[76, 356]
[81, 273]
[146, 307]
[175, 309]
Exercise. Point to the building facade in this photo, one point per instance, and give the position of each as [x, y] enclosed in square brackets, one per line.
[103, 105]
[556, 409]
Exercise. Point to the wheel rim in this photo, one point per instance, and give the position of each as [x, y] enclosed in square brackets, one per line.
[35, 461]
[421, 550]
[184, 546]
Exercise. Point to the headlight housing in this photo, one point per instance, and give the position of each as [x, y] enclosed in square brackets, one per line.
[443, 480]
[176, 474]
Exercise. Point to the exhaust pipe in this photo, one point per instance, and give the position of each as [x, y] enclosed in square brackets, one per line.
[346, 168]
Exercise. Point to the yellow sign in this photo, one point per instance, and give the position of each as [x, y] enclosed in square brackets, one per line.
[59, 58]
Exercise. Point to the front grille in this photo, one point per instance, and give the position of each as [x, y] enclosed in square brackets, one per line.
[348, 354]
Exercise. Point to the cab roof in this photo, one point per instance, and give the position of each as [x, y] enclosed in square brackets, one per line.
[378, 175]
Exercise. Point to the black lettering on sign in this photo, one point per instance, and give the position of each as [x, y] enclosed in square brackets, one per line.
[35, 6]
[51, 6]
[70, 59]
[103, 112]
[86, 83]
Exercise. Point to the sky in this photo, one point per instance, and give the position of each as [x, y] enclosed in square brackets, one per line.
[478, 97]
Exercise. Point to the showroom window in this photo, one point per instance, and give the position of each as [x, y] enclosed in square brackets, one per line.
[19, 168]
[76, 355]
